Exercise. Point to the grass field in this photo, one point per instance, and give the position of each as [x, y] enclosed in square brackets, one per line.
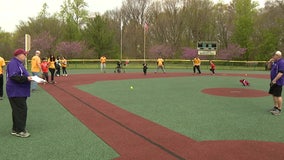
[179, 104]
[176, 103]
[55, 134]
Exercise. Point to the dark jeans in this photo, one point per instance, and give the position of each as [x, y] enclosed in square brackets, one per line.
[45, 76]
[52, 70]
[19, 113]
[57, 71]
[196, 67]
[64, 70]
[1, 85]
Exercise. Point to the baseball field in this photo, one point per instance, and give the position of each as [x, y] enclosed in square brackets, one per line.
[159, 116]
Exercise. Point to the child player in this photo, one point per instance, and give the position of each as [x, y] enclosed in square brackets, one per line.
[44, 67]
[212, 67]
[145, 68]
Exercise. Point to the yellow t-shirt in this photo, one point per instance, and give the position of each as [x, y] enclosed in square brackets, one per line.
[196, 61]
[2, 64]
[64, 63]
[160, 62]
[51, 64]
[35, 64]
[103, 59]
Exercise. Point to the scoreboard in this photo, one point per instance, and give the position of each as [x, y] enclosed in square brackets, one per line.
[207, 47]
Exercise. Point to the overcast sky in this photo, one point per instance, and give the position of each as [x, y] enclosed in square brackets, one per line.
[14, 11]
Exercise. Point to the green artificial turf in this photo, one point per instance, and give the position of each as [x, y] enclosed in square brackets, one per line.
[178, 104]
[55, 134]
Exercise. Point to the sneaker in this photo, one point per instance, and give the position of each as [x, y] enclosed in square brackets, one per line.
[23, 134]
[13, 132]
[276, 112]
[273, 109]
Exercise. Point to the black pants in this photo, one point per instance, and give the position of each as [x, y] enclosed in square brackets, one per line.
[52, 70]
[57, 71]
[45, 76]
[64, 70]
[196, 67]
[1, 85]
[19, 113]
[145, 71]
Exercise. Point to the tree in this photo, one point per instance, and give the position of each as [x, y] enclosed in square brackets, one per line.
[73, 15]
[99, 37]
[70, 49]
[199, 20]
[6, 45]
[268, 31]
[223, 25]
[243, 23]
[232, 52]
[134, 15]
[167, 26]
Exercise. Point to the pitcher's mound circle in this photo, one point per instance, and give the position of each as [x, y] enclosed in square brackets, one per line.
[235, 92]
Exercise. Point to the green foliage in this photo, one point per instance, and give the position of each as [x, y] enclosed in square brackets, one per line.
[99, 37]
[177, 24]
[73, 14]
[243, 23]
[6, 45]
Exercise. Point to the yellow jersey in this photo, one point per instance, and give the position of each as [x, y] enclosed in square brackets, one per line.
[103, 59]
[2, 64]
[196, 61]
[64, 63]
[51, 64]
[160, 62]
[35, 64]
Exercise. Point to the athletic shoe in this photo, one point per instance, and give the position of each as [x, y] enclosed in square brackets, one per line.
[273, 109]
[23, 134]
[276, 112]
[13, 133]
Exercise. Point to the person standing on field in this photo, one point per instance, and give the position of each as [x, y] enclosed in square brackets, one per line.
[276, 66]
[212, 67]
[145, 67]
[58, 66]
[64, 66]
[35, 68]
[51, 67]
[196, 65]
[44, 67]
[160, 65]
[103, 63]
[18, 87]
[2, 64]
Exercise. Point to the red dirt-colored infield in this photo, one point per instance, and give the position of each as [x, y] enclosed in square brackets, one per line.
[235, 92]
[136, 138]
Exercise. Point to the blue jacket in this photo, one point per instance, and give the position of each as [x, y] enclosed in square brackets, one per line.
[17, 84]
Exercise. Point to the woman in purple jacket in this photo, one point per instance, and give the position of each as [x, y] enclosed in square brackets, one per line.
[18, 89]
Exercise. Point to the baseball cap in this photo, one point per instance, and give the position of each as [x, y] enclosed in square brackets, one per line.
[278, 53]
[20, 51]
